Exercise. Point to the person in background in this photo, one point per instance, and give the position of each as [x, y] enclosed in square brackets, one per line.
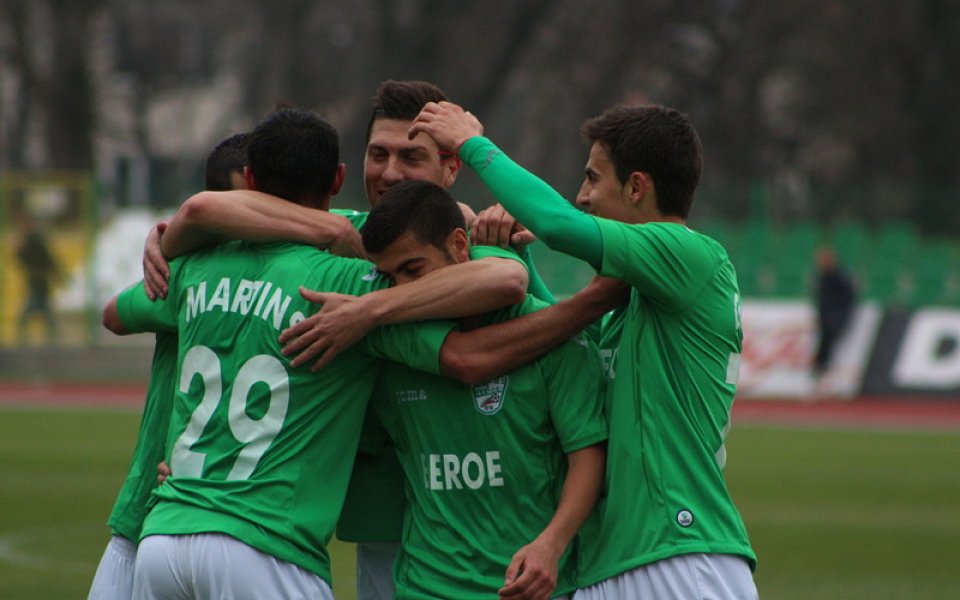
[41, 270]
[836, 296]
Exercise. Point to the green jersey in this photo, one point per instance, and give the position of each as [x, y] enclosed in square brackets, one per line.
[132, 503]
[261, 451]
[356, 218]
[485, 465]
[374, 507]
[674, 375]
[673, 372]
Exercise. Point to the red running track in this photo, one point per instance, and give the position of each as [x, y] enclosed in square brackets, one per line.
[899, 413]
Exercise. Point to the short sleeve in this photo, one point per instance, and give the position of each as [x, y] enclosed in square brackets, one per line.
[416, 345]
[140, 314]
[665, 262]
[574, 379]
[478, 252]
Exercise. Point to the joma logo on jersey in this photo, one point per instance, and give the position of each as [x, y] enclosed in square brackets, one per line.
[410, 395]
[488, 397]
[452, 472]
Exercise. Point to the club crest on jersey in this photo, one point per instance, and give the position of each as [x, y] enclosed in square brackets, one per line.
[372, 275]
[488, 396]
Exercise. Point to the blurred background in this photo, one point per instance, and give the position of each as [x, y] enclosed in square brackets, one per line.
[824, 122]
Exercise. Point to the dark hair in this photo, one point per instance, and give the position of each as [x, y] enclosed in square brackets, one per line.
[421, 207]
[229, 155]
[402, 100]
[294, 154]
[655, 140]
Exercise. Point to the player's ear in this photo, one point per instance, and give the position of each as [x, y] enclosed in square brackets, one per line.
[250, 179]
[459, 245]
[451, 168]
[639, 185]
[338, 179]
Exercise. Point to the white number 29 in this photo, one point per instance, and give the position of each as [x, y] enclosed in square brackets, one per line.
[255, 434]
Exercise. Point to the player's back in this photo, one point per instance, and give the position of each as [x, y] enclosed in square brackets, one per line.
[259, 450]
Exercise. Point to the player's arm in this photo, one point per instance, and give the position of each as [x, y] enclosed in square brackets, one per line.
[573, 379]
[532, 572]
[465, 289]
[528, 198]
[478, 355]
[131, 311]
[209, 218]
[494, 226]
[111, 318]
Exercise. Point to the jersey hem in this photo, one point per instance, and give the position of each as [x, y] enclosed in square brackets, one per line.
[647, 559]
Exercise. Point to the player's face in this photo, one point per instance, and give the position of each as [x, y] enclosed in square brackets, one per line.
[601, 192]
[391, 158]
[407, 259]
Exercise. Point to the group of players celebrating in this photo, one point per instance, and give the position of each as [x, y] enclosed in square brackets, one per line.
[404, 379]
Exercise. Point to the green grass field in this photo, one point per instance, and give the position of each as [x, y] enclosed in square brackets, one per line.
[832, 514]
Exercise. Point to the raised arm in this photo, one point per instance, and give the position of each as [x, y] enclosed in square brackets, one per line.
[209, 218]
[528, 198]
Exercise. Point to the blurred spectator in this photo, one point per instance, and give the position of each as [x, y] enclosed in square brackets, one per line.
[41, 269]
[836, 296]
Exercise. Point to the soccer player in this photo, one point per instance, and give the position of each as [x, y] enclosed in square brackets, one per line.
[500, 475]
[114, 576]
[223, 169]
[260, 453]
[668, 527]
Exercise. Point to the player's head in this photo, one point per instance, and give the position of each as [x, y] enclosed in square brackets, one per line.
[224, 167]
[826, 258]
[639, 153]
[416, 228]
[390, 156]
[295, 154]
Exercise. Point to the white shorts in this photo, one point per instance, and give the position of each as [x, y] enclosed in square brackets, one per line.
[114, 577]
[213, 565]
[685, 577]
[375, 570]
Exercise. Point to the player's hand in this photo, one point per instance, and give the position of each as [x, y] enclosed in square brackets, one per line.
[156, 271]
[532, 573]
[348, 244]
[341, 323]
[447, 123]
[494, 226]
[163, 471]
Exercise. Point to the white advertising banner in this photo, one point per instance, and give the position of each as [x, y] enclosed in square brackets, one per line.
[779, 340]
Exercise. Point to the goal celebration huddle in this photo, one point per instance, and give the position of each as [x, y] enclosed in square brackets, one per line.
[403, 378]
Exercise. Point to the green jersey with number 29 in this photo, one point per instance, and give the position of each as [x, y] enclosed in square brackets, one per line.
[261, 451]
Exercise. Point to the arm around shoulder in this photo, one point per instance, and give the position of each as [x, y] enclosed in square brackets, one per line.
[478, 355]
[212, 217]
